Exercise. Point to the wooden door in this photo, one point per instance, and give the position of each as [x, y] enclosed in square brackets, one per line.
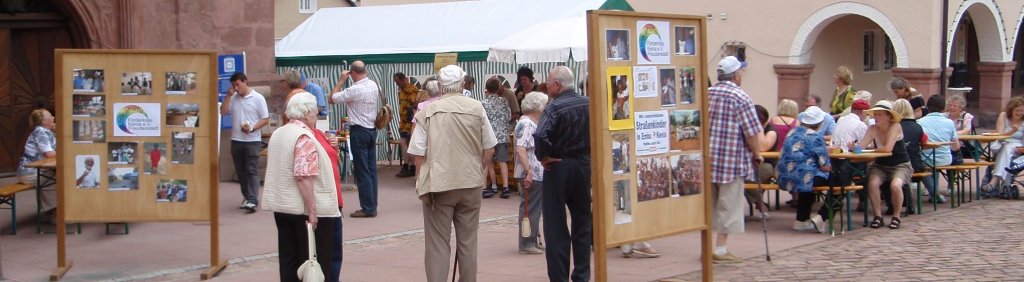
[26, 82]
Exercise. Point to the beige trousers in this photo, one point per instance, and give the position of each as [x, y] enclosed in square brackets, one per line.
[440, 211]
[47, 198]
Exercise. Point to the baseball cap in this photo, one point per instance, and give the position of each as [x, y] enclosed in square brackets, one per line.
[812, 115]
[730, 64]
[450, 74]
[860, 105]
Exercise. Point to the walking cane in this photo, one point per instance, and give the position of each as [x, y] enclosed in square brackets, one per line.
[764, 224]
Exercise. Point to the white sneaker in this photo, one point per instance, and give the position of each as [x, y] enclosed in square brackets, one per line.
[818, 223]
[803, 225]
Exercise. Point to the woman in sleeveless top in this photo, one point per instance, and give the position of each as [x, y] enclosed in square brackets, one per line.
[784, 122]
[1010, 122]
[886, 136]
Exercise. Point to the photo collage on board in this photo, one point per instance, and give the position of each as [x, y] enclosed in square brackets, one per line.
[132, 127]
[651, 82]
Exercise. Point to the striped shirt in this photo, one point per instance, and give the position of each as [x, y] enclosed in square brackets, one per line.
[360, 102]
[564, 128]
[732, 118]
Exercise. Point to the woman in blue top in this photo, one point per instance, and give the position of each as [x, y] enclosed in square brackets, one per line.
[803, 164]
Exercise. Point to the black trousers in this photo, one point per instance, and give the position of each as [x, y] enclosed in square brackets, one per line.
[567, 183]
[805, 201]
[293, 245]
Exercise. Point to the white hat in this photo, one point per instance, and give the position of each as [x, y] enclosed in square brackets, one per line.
[886, 106]
[730, 64]
[450, 74]
[812, 115]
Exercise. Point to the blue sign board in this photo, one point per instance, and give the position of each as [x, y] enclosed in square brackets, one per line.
[227, 65]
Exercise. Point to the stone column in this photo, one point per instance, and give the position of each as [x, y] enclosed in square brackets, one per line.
[925, 80]
[794, 81]
[994, 86]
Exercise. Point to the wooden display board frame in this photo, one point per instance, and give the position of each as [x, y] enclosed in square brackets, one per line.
[620, 217]
[111, 106]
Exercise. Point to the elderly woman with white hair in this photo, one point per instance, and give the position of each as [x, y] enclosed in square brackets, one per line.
[530, 172]
[301, 189]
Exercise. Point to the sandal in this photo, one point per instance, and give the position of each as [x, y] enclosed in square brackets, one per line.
[877, 222]
[894, 223]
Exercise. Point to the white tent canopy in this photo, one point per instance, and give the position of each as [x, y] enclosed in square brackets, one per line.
[550, 41]
[421, 28]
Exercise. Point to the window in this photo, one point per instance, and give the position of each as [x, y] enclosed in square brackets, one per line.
[307, 6]
[869, 51]
[890, 54]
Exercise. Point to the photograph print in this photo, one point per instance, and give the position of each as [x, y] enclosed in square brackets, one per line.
[684, 133]
[123, 178]
[87, 80]
[88, 106]
[687, 77]
[121, 152]
[667, 87]
[137, 83]
[620, 153]
[182, 115]
[686, 40]
[154, 158]
[623, 205]
[652, 178]
[180, 83]
[87, 171]
[620, 97]
[686, 174]
[171, 190]
[617, 44]
[88, 131]
[181, 147]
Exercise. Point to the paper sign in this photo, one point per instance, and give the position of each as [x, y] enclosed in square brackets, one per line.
[137, 119]
[651, 132]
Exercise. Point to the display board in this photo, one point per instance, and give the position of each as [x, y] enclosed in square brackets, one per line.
[137, 136]
[647, 86]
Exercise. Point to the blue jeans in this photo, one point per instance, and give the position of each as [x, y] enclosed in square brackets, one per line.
[364, 161]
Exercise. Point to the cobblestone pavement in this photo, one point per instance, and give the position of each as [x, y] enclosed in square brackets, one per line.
[977, 242]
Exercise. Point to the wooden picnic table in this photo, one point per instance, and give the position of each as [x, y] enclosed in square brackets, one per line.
[934, 145]
[984, 138]
[864, 156]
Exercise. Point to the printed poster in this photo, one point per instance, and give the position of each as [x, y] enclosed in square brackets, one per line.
[620, 110]
[653, 43]
[652, 133]
[137, 119]
[645, 79]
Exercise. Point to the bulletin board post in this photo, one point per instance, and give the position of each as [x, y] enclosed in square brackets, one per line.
[647, 82]
[138, 140]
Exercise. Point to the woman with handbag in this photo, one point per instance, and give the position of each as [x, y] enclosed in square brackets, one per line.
[301, 189]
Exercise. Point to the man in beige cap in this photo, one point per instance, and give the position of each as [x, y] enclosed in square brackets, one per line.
[450, 145]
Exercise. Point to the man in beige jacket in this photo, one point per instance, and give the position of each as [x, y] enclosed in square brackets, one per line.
[450, 144]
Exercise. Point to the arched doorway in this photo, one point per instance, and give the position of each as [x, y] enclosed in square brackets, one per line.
[29, 33]
[976, 36]
[852, 34]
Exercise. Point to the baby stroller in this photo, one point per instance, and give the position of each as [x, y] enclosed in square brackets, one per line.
[1010, 189]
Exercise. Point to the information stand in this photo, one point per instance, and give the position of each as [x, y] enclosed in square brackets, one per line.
[137, 141]
[647, 85]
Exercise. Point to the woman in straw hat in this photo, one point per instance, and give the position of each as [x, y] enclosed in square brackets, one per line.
[886, 136]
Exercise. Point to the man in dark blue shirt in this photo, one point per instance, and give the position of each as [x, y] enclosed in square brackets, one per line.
[563, 146]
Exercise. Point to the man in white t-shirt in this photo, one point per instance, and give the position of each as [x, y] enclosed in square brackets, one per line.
[361, 102]
[249, 114]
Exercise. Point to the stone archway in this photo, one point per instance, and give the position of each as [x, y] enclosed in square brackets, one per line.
[803, 42]
[989, 28]
[29, 34]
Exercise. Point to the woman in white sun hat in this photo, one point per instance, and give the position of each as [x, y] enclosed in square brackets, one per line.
[886, 136]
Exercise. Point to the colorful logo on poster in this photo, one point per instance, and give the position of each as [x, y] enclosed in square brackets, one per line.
[654, 48]
[122, 117]
[137, 119]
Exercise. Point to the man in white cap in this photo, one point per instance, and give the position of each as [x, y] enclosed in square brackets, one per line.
[361, 100]
[828, 126]
[450, 144]
[734, 131]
